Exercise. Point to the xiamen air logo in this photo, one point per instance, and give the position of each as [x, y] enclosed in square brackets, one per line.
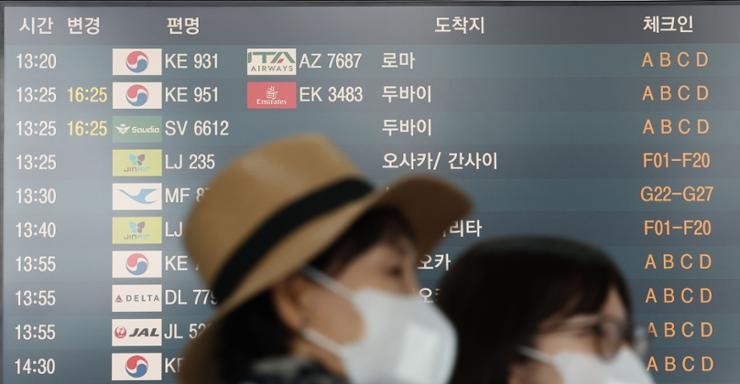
[137, 196]
[271, 61]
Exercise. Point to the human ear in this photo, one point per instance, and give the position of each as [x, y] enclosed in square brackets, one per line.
[290, 298]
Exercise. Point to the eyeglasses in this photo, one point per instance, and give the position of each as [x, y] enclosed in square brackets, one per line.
[609, 334]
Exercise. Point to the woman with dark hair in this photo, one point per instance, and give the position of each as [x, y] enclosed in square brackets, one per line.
[541, 310]
[314, 272]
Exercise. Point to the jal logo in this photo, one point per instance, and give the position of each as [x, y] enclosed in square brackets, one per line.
[271, 61]
[136, 332]
[271, 95]
[137, 62]
[136, 366]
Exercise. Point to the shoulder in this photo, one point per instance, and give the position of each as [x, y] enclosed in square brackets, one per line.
[289, 370]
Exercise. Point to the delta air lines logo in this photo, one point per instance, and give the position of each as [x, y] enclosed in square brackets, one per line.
[137, 298]
[137, 62]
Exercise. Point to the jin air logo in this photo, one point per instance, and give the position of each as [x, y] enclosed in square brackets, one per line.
[132, 162]
[137, 230]
[271, 61]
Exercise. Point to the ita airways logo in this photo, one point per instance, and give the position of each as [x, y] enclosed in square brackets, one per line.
[137, 95]
[137, 129]
[137, 62]
[137, 298]
[271, 95]
[137, 162]
[137, 264]
[136, 333]
[137, 230]
[136, 366]
[137, 196]
[271, 61]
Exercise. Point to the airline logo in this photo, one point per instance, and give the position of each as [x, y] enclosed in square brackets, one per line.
[137, 62]
[136, 366]
[137, 264]
[137, 230]
[137, 95]
[137, 298]
[137, 129]
[271, 95]
[137, 197]
[137, 162]
[137, 333]
[271, 61]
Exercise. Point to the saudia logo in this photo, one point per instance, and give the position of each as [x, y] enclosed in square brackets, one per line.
[137, 129]
[271, 61]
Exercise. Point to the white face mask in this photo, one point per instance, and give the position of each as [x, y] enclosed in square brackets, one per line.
[585, 368]
[405, 341]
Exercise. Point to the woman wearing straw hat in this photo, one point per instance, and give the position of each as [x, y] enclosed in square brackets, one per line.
[314, 272]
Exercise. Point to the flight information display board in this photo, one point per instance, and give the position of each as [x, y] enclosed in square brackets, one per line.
[615, 124]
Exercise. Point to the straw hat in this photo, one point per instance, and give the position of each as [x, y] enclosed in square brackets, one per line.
[275, 208]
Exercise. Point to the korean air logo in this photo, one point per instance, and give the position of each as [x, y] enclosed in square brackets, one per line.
[137, 61]
[144, 95]
[137, 264]
[137, 196]
[136, 366]
[137, 95]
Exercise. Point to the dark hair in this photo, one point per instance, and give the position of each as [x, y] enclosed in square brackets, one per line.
[500, 291]
[254, 330]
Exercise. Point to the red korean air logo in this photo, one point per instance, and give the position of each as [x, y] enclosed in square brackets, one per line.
[271, 95]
